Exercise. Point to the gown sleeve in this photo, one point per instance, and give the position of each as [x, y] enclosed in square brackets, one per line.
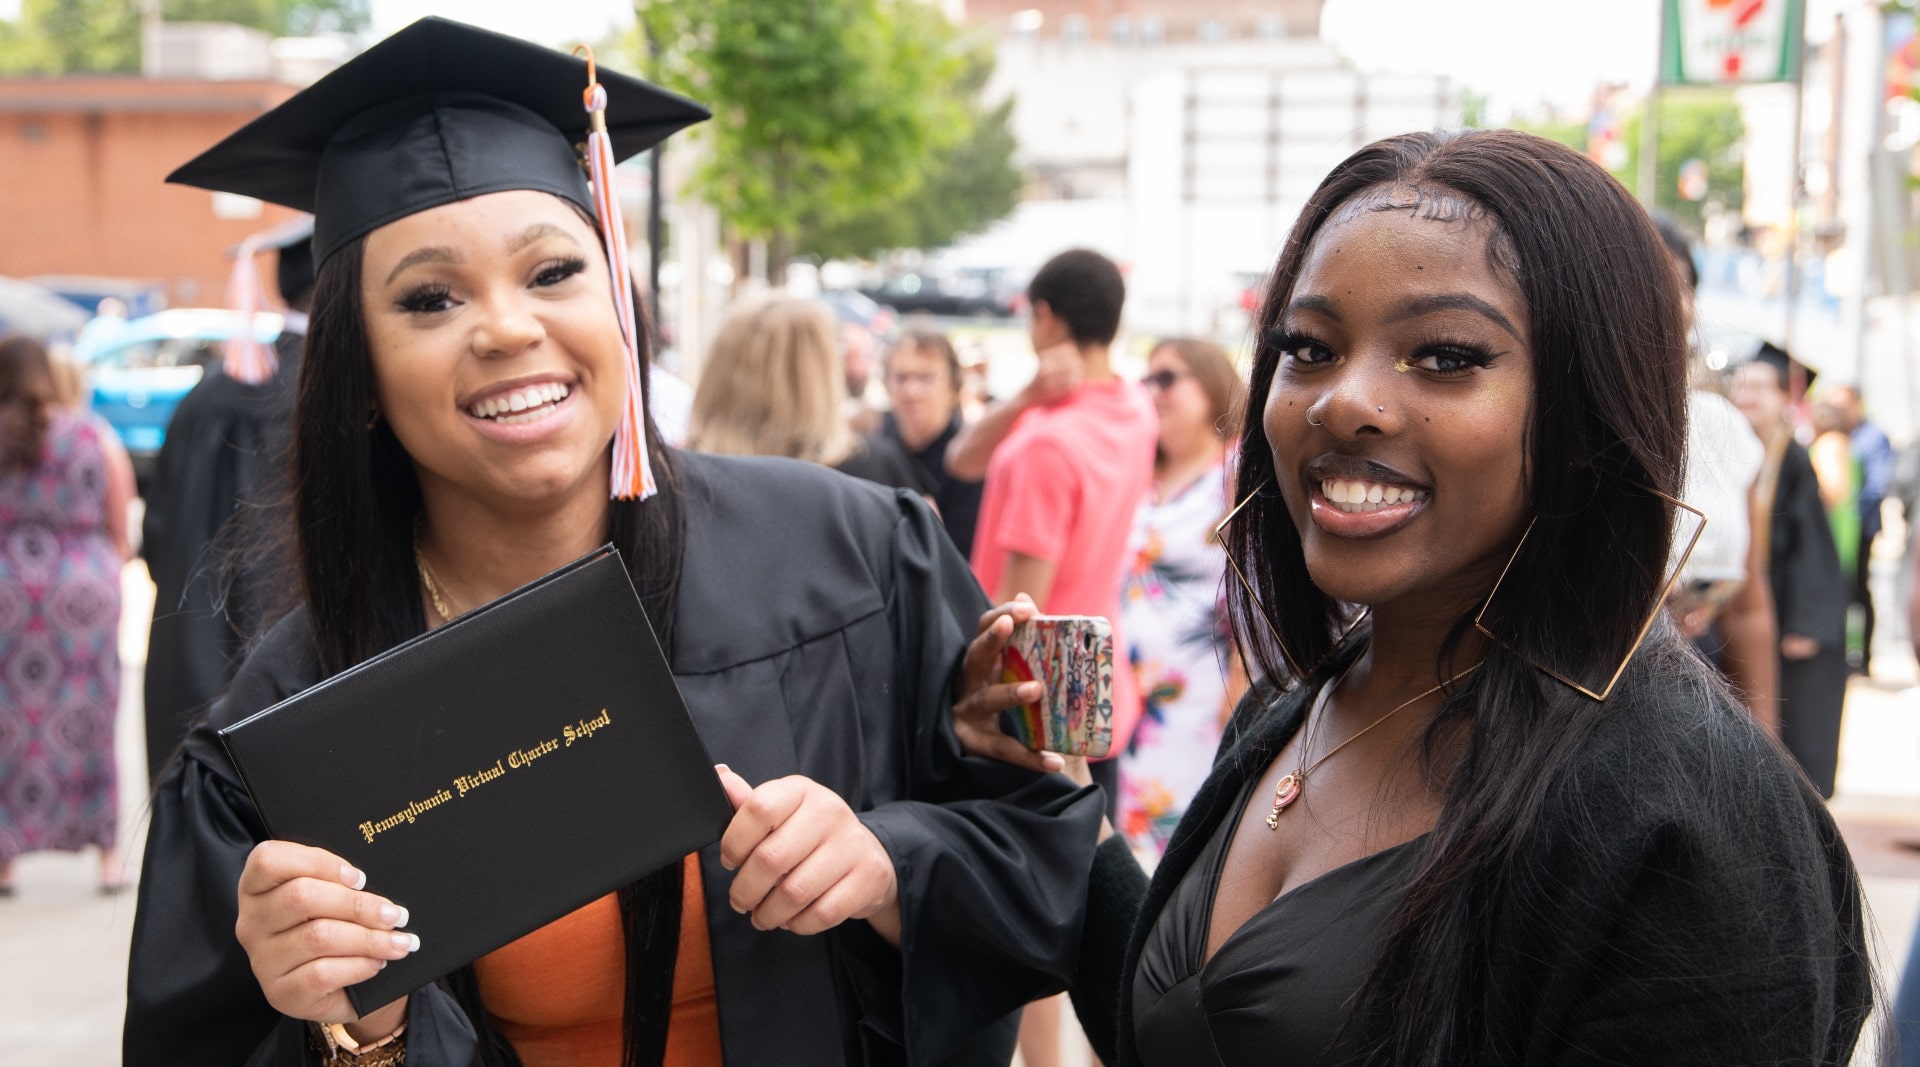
[191, 995]
[992, 860]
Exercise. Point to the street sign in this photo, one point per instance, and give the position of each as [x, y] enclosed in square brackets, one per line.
[1731, 42]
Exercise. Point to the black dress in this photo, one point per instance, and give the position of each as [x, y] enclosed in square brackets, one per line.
[820, 624]
[1682, 898]
[220, 461]
[1278, 988]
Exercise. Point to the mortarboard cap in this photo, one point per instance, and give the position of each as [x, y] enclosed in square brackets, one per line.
[293, 274]
[1783, 364]
[438, 112]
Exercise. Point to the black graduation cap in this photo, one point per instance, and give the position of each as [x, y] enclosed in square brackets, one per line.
[438, 112]
[1783, 364]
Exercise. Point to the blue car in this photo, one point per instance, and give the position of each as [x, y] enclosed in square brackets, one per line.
[141, 368]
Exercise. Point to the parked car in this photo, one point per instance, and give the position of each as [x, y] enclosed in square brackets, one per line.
[37, 312]
[138, 299]
[141, 368]
[961, 292]
[859, 309]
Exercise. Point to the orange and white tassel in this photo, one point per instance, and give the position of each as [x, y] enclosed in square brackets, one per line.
[632, 473]
[246, 359]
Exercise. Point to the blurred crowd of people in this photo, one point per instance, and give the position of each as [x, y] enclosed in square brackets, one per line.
[1102, 487]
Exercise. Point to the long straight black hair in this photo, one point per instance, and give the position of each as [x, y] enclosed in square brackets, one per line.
[355, 498]
[1606, 424]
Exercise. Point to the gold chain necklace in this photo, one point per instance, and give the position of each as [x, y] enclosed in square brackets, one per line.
[1288, 788]
[426, 579]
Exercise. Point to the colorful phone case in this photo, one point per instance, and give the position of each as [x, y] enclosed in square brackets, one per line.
[1073, 656]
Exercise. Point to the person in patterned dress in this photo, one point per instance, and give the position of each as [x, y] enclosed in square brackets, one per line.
[1170, 599]
[64, 489]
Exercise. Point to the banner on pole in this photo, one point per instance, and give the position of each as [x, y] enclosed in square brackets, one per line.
[1731, 42]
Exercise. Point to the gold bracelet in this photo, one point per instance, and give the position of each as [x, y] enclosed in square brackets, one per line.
[339, 1049]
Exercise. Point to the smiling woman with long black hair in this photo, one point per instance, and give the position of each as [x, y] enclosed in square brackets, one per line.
[1486, 807]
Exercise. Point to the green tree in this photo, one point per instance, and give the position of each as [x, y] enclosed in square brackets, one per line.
[820, 106]
[57, 36]
[304, 18]
[1702, 124]
[70, 36]
[1473, 109]
[259, 14]
[965, 186]
[1571, 134]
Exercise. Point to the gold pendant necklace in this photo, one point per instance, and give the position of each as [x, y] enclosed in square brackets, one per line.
[1288, 788]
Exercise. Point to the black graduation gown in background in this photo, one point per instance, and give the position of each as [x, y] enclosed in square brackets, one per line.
[223, 446]
[820, 624]
[1810, 599]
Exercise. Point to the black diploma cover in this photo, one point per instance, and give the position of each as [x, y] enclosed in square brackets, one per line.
[496, 773]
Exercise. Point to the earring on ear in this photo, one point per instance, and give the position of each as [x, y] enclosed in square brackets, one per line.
[1659, 603]
[1220, 535]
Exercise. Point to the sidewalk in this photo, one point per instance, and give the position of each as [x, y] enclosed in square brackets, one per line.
[63, 948]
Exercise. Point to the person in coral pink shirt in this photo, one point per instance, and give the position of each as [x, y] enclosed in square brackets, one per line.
[1067, 462]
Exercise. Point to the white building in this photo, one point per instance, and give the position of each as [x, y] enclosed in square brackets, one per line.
[1183, 151]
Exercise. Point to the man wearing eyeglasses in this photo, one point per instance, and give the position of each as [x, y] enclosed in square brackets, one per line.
[922, 375]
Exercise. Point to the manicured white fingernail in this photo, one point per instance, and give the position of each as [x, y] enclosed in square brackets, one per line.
[353, 879]
[410, 942]
[393, 915]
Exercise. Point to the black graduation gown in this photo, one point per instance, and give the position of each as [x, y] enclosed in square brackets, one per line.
[1810, 599]
[223, 445]
[820, 624]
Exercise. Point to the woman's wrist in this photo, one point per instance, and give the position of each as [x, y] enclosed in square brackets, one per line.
[379, 1024]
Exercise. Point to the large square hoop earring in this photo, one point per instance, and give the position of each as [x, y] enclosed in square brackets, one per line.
[1220, 536]
[1646, 626]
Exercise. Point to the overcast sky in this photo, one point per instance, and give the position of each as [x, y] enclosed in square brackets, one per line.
[1519, 51]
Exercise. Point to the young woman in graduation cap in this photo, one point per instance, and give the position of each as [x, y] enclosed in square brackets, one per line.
[472, 385]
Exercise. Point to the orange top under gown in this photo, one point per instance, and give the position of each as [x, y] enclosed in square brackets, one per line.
[559, 993]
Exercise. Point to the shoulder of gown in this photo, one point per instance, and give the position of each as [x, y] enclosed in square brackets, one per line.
[759, 524]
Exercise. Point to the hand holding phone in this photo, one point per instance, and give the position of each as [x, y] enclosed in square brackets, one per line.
[1071, 656]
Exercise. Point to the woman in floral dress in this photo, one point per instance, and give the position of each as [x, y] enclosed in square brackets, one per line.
[1170, 603]
[64, 488]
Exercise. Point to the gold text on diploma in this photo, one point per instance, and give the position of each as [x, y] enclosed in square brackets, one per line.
[406, 815]
[582, 730]
[479, 778]
[586, 727]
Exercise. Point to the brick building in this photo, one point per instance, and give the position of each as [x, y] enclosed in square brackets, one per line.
[83, 162]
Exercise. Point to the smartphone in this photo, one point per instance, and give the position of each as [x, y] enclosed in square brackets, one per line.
[1072, 656]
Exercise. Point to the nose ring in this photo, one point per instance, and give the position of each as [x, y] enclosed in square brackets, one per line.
[1310, 421]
